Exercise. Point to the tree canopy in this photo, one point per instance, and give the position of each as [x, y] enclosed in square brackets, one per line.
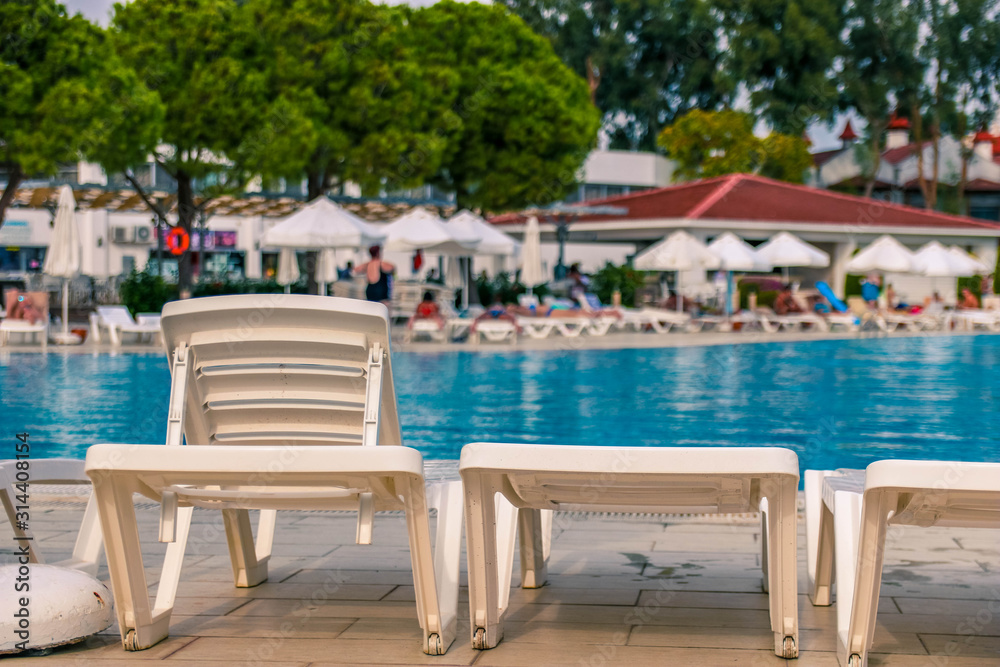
[522, 122]
[646, 61]
[66, 96]
[706, 144]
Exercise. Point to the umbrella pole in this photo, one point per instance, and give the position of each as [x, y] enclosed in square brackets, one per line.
[677, 292]
[65, 306]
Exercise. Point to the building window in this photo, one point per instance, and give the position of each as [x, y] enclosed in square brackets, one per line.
[985, 212]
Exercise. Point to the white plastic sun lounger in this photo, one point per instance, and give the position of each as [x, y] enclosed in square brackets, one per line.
[493, 331]
[284, 402]
[500, 478]
[38, 331]
[88, 548]
[657, 319]
[429, 328]
[118, 322]
[848, 513]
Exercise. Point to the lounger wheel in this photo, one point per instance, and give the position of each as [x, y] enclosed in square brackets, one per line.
[434, 645]
[479, 639]
[854, 660]
[131, 641]
[789, 649]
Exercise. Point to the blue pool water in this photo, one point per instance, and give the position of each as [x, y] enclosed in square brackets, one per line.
[836, 403]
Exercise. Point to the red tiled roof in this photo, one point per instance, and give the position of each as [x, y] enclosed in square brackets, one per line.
[894, 155]
[822, 157]
[982, 185]
[751, 197]
[982, 136]
[898, 123]
[848, 132]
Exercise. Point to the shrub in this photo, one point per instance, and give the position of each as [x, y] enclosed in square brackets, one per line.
[144, 292]
[852, 285]
[975, 285]
[505, 288]
[622, 278]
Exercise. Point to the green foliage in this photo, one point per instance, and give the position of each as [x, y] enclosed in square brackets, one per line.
[765, 298]
[852, 285]
[624, 279]
[505, 288]
[646, 61]
[522, 122]
[784, 51]
[712, 143]
[66, 96]
[973, 283]
[349, 81]
[145, 292]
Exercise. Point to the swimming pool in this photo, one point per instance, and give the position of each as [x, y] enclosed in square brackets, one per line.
[840, 403]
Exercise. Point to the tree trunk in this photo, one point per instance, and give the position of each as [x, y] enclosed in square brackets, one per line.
[315, 184]
[9, 192]
[935, 169]
[876, 157]
[186, 213]
[962, 181]
[593, 80]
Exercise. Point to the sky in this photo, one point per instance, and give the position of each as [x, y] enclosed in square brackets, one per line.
[822, 137]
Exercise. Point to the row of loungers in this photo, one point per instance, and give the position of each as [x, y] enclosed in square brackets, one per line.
[298, 411]
[660, 321]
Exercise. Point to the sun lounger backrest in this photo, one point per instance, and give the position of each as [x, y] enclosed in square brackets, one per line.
[280, 369]
[115, 315]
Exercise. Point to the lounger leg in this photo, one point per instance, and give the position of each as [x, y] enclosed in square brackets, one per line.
[783, 596]
[871, 554]
[819, 544]
[248, 569]
[846, 517]
[89, 544]
[765, 568]
[489, 568]
[535, 530]
[140, 626]
[439, 630]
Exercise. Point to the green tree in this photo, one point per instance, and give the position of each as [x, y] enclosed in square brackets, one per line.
[784, 51]
[522, 122]
[646, 61]
[712, 143]
[362, 101]
[879, 65]
[65, 95]
[201, 57]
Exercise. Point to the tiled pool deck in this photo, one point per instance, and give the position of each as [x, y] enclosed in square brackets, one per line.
[646, 590]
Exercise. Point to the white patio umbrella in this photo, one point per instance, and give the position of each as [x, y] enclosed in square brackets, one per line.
[735, 254]
[419, 229]
[787, 250]
[288, 269]
[936, 261]
[678, 252]
[980, 265]
[63, 257]
[322, 224]
[531, 255]
[883, 254]
[491, 241]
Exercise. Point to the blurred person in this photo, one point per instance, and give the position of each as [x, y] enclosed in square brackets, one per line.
[379, 274]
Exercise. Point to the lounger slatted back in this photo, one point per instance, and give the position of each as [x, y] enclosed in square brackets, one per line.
[284, 401]
[285, 375]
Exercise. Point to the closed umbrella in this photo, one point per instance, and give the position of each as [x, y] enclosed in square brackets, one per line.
[531, 255]
[883, 254]
[678, 252]
[735, 254]
[787, 250]
[288, 268]
[63, 257]
[326, 268]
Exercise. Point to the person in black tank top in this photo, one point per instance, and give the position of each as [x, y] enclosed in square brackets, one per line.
[378, 274]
